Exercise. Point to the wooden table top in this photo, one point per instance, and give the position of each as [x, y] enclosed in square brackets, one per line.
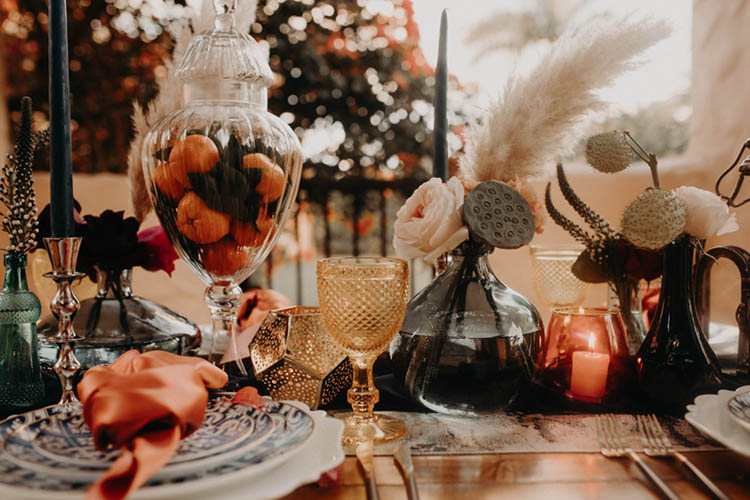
[547, 476]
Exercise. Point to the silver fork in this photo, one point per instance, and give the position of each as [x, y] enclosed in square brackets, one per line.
[656, 443]
[613, 444]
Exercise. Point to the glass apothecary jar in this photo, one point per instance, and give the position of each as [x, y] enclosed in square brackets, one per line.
[222, 171]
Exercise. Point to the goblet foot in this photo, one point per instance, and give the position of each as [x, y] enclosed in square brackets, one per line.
[379, 428]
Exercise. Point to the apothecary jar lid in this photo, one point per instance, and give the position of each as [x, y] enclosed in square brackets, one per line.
[225, 53]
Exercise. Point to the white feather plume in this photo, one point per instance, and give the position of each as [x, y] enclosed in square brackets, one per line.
[537, 117]
[170, 96]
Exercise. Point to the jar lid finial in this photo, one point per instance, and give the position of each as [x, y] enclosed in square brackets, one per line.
[225, 53]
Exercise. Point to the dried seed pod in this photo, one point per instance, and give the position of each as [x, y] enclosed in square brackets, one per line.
[608, 152]
[498, 215]
[654, 219]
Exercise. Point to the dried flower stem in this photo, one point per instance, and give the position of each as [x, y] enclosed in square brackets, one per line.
[567, 224]
[592, 218]
[649, 158]
[20, 219]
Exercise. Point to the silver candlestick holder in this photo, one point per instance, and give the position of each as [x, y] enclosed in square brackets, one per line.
[63, 254]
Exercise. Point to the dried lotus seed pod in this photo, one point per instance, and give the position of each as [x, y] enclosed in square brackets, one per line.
[497, 214]
[608, 152]
[654, 219]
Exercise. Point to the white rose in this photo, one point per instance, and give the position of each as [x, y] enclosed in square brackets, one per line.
[707, 214]
[430, 223]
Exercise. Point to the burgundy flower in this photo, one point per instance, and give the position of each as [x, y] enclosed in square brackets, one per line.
[639, 263]
[158, 253]
[110, 243]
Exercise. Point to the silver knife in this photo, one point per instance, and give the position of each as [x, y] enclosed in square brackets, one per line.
[364, 456]
[402, 454]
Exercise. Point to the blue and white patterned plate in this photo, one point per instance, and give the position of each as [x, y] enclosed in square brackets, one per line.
[67, 439]
[739, 409]
[292, 428]
[69, 447]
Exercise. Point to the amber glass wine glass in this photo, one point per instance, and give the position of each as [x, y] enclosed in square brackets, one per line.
[362, 304]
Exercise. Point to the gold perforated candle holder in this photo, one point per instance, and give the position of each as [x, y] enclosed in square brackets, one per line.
[296, 359]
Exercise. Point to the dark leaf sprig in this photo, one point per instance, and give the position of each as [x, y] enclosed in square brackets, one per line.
[571, 227]
[17, 195]
[596, 244]
[593, 219]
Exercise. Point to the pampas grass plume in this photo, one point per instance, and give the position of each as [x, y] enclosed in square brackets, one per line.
[537, 118]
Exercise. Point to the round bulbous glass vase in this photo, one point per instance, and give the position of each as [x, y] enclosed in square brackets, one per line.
[468, 344]
[115, 320]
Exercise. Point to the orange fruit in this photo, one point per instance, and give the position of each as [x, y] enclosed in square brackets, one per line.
[273, 180]
[246, 234]
[199, 222]
[195, 153]
[225, 257]
[169, 182]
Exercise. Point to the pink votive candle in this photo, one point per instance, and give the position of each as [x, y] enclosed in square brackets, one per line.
[589, 374]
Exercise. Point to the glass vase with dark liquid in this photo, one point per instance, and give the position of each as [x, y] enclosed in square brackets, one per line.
[468, 344]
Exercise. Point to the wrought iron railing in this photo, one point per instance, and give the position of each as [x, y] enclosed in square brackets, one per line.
[361, 196]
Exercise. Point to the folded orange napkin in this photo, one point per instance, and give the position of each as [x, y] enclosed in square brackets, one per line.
[143, 404]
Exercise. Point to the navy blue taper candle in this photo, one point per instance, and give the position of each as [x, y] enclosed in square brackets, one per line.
[440, 143]
[61, 174]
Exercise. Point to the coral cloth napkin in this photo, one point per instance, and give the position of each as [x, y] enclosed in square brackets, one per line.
[256, 303]
[143, 404]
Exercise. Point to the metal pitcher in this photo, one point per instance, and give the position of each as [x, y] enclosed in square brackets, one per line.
[741, 259]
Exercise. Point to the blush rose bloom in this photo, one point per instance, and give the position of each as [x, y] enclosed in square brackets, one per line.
[707, 214]
[430, 223]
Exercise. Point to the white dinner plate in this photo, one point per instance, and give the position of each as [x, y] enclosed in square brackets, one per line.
[67, 449]
[739, 408]
[710, 415]
[294, 429]
[322, 453]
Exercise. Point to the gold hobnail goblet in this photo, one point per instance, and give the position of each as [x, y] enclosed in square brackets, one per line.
[362, 304]
[553, 278]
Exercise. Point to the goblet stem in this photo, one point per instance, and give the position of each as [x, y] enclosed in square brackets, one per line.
[223, 302]
[363, 424]
[362, 395]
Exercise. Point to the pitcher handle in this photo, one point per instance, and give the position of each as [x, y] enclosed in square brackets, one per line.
[741, 259]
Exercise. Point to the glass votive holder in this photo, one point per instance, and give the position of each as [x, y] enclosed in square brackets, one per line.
[585, 355]
[552, 277]
[293, 355]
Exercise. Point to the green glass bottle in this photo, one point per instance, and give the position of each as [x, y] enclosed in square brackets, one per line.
[21, 385]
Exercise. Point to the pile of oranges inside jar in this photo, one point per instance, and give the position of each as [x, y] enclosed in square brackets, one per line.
[222, 199]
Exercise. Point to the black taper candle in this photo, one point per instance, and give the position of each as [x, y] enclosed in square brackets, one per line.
[440, 143]
[61, 174]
